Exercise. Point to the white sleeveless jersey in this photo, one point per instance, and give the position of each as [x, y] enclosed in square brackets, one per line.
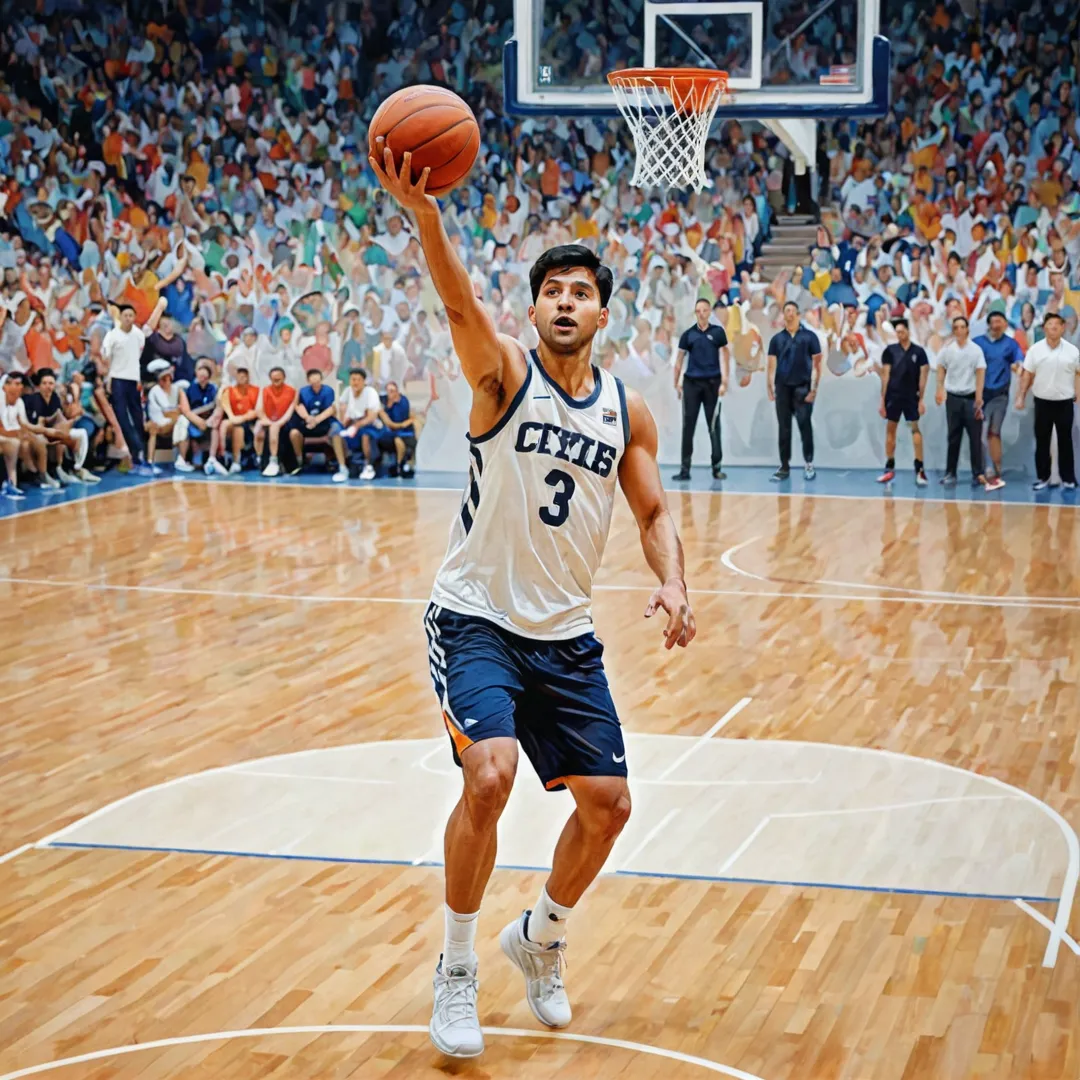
[529, 537]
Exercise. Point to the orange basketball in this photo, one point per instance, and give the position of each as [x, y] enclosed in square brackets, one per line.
[437, 126]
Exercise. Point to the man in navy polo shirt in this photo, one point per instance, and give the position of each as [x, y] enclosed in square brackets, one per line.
[315, 418]
[905, 368]
[1003, 357]
[703, 346]
[794, 373]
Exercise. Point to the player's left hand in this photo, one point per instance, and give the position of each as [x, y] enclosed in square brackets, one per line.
[681, 627]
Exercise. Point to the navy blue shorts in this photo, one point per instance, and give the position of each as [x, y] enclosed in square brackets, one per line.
[552, 696]
[907, 407]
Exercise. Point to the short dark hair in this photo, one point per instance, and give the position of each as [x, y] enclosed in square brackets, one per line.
[358, 371]
[900, 320]
[125, 307]
[277, 367]
[790, 303]
[15, 377]
[960, 318]
[238, 369]
[564, 257]
[45, 372]
[1053, 315]
[312, 371]
[703, 300]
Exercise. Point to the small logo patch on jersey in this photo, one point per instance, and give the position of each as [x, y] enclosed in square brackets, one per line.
[610, 416]
[469, 723]
[618, 760]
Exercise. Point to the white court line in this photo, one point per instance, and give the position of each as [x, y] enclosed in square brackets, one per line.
[684, 757]
[727, 558]
[15, 854]
[760, 827]
[90, 496]
[650, 836]
[958, 600]
[378, 1029]
[239, 770]
[1042, 920]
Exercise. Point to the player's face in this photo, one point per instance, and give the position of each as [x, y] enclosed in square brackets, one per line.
[567, 313]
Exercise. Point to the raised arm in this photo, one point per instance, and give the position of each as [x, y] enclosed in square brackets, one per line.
[639, 478]
[493, 364]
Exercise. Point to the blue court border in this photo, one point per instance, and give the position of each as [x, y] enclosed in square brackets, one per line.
[428, 864]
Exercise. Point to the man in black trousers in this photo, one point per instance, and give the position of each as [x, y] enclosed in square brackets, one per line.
[704, 346]
[794, 373]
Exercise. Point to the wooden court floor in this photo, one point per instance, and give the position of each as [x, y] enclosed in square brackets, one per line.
[881, 711]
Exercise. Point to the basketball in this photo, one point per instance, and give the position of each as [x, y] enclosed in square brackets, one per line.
[436, 126]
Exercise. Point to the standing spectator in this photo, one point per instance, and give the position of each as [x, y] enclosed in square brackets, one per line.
[1052, 374]
[122, 350]
[198, 409]
[165, 344]
[239, 403]
[704, 348]
[314, 419]
[961, 375]
[400, 434]
[793, 374]
[905, 369]
[359, 411]
[389, 360]
[275, 409]
[1003, 357]
[162, 408]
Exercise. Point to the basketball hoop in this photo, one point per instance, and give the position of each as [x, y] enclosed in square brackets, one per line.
[670, 111]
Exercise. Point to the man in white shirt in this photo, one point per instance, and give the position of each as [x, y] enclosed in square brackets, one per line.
[961, 375]
[1052, 373]
[17, 439]
[122, 349]
[162, 408]
[389, 359]
[358, 409]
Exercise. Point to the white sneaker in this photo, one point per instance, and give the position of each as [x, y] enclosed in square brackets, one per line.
[234, 468]
[65, 477]
[455, 1027]
[208, 468]
[86, 476]
[272, 469]
[368, 473]
[542, 967]
[341, 476]
[183, 465]
[47, 481]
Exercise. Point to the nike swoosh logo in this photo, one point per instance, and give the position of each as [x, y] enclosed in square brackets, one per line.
[469, 723]
[618, 760]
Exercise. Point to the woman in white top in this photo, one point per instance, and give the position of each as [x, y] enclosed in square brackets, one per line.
[1052, 373]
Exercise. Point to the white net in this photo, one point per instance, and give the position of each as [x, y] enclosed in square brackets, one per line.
[670, 111]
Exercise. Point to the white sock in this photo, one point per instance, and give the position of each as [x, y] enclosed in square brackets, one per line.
[82, 445]
[547, 921]
[460, 938]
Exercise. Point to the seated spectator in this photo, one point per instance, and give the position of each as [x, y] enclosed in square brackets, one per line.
[11, 436]
[165, 344]
[400, 433]
[238, 403]
[199, 414]
[358, 411]
[45, 417]
[314, 419]
[275, 409]
[162, 408]
[14, 424]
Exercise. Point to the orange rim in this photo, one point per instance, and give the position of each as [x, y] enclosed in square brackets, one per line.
[680, 80]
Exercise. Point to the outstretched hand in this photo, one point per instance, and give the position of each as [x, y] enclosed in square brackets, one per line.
[681, 627]
[411, 195]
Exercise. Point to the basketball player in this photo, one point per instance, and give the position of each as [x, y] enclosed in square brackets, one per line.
[510, 634]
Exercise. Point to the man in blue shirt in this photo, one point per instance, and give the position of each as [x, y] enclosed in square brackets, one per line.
[199, 411]
[703, 347]
[400, 434]
[1003, 357]
[794, 373]
[315, 418]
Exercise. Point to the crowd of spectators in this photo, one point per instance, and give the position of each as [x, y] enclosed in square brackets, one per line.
[190, 234]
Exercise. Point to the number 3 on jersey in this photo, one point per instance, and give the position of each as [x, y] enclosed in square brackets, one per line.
[564, 486]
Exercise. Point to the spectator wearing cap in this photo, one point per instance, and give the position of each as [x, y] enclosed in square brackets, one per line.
[275, 409]
[238, 402]
[1003, 357]
[794, 371]
[704, 350]
[1052, 374]
[400, 434]
[162, 408]
[199, 414]
[315, 418]
[905, 369]
[961, 375]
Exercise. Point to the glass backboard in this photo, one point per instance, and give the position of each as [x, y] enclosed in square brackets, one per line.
[784, 57]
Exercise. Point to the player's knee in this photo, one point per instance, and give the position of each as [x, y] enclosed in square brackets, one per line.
[608, 817]
[487, 789]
